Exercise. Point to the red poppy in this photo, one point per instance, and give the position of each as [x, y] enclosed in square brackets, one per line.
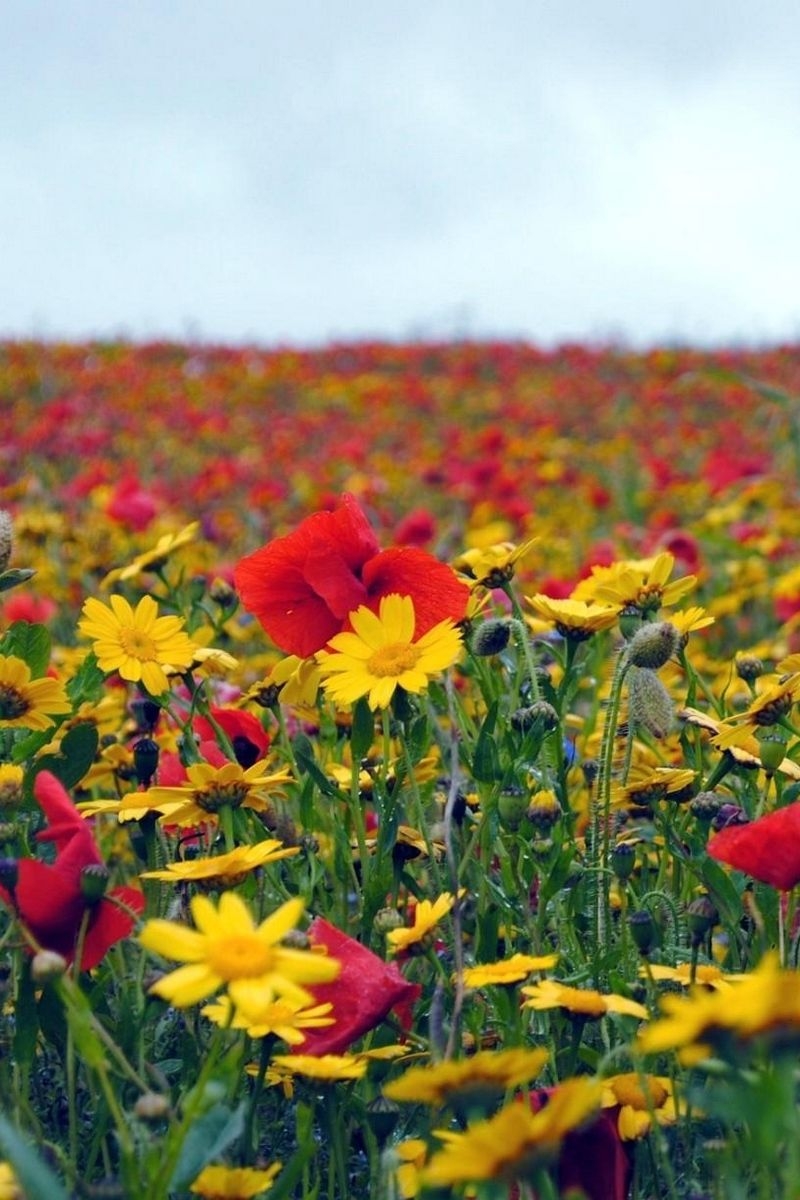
[593, 1160]
[302, 587]
[366, 990]
[767, 848]
[51, 899]
[247, 735]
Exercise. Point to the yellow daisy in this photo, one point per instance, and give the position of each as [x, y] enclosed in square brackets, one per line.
[27, 703]
[492, 566]
[574, 619]
[234, 1183]
[485, 1075]
[637, 583]
[381, 655]
[9, 1187]
[11, 777]
[427, 915]
[227, 948]
[153, 559]
[776, 697]
[584, 1002]
[323, 1067]
[228, 868]
[742, 746]
[509, 970]
[641, 1099]
[285, 1019]
[514, 1142]
[137, 643]
[207, 789]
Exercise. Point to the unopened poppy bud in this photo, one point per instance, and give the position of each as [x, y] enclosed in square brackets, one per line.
[6, 538]
[541, 714]
[706, 805]
[387, 919]
[9, 873]
[511, 808]
[222, 593]
[623, 859]
[382, 1117]
[145, 760]
[650, 705]
[46, 966]
[771, 748]
[653, 645]
[643, 930]
[701, 915]
[491, 638]
[749, 668]
[94, 881]
[146, 713]
[151, 1106]
[544, 810]
[630, 621]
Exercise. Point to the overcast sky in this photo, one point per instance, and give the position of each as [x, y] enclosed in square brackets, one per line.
[260, 170]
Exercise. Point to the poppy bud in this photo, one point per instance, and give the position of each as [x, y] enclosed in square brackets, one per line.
[771, 749]
[643, 930]
[145, 760]
[623, 859]
[705, 806]
[6, 538]
[387, 919]
[47, 965]
[653, 645]
[630, 621]
[540, 713]
[382, 1117]
[701, 915]
[151, 1106]
[491, 638]
[94, 881]
[146, 713]
[650, 704]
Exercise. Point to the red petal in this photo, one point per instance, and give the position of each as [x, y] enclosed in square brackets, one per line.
[62, 816]
[50, 904]
[594, 1161]
[768, 848]
[236, 724]
[364, 993]
[434, 587]
[109, 925]
[300, 587]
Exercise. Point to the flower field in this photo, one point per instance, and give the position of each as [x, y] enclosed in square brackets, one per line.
[399, 772]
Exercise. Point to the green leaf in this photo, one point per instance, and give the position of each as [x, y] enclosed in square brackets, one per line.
[87, 682]
[486, 761]
[26, 1021]
[362, 731]
[78, 748]
[14, 577]
[722, 889]
[30, 642]
[38, 1181]
[325, 785]
[207, 1139]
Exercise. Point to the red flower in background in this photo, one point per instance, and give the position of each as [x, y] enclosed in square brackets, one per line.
[767, 848]
[302, 587]
[247, 735]
[51, 899]
[364, 992]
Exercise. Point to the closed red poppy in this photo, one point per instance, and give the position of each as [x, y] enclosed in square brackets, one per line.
[365, 991]
[767, 848]
[51, 899]
[302, 587]
[593, 1161]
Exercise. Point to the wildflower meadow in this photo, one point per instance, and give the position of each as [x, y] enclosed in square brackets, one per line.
[399, 772]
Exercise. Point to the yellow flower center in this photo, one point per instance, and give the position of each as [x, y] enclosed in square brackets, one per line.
[393, 659]
[215, 797]
[12, 703]
[240, 956]
[628, 1090]
[137, 644]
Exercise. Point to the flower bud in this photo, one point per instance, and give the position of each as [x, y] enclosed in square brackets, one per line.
[749, 668]
[46, 966]
[145, 760]
[650, 705]
[11, 793]
[6, 538]
[643, 930]
[705, 806]
[382, 1117]
[491, 638]
[653, 645]
[540, 714]
[222, 593]
[146, 713]
[771, 748]
[630, 621]
[701, 916]
[387, 919]
[623, 859]
[544, 810]
[151, 1106]
[591, 769]
[512, 807]
[93, 882]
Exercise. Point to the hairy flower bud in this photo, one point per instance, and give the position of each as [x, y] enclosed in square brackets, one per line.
[701, 916]
[653, 645]
[46, 966]
[145, 760]
[540, 713]
[94, 881]
[649, 703]
[491, 637]
[706, 805]
[749, 668]
[512, 806]
[6, 538]
[643, 930]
